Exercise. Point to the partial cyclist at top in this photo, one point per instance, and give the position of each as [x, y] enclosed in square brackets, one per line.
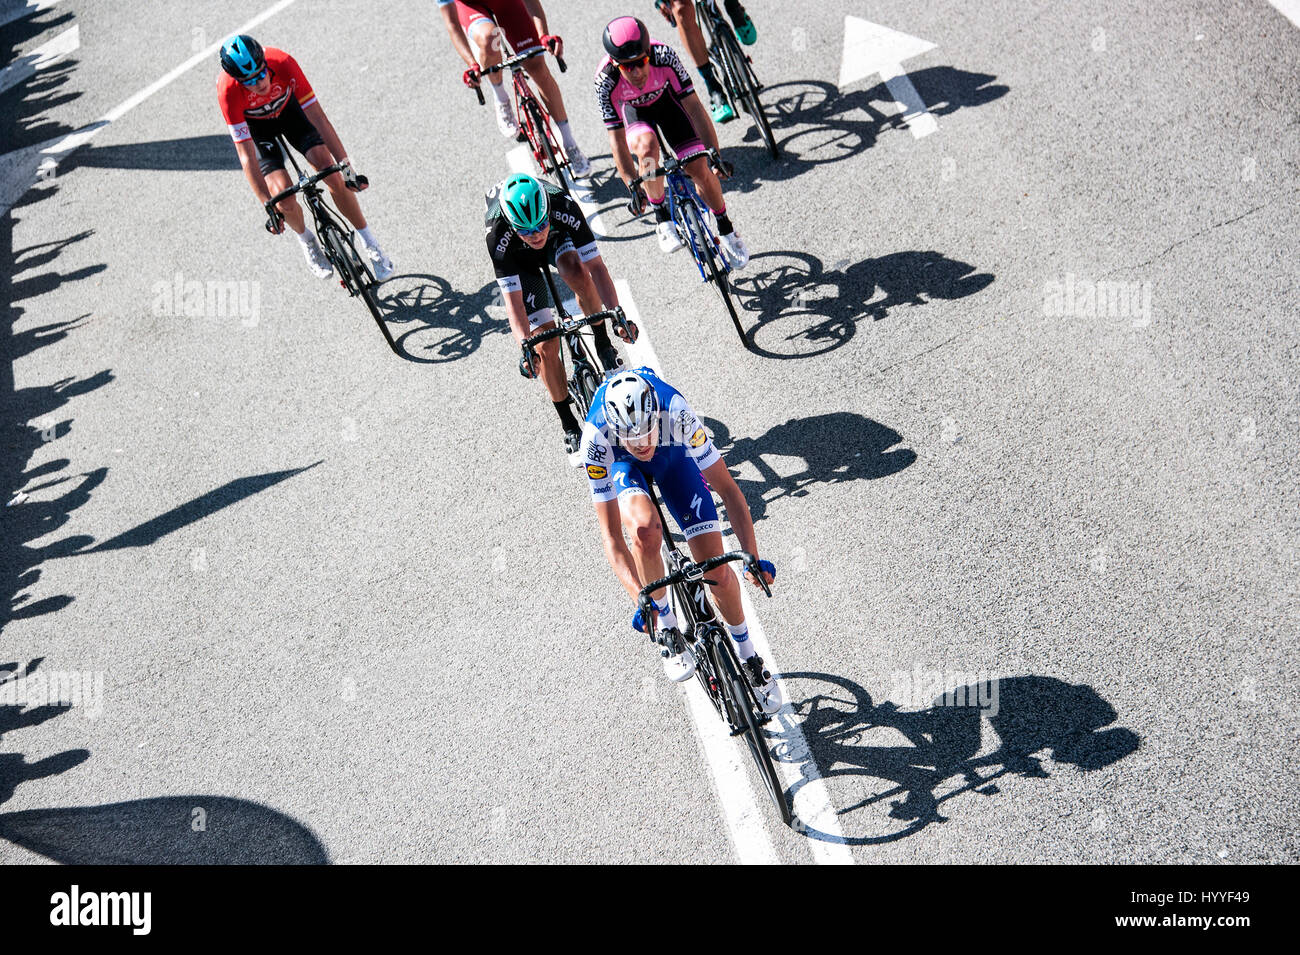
[264, 95]
[681, 14]
[523, 22]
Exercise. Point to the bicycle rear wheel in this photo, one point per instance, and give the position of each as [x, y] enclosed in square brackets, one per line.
[740, 704]
[706, 250]
[356, 275]
[582, 389]
[746, 86]
[543, 142]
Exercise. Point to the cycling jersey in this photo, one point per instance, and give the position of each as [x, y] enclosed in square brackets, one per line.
[512, 258]
[240, 103]
[666, 77]
[684, 451]
[511, 15]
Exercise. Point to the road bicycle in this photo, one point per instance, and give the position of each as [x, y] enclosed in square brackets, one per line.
[717, 667]
[534, 121]
[691, 216]
[337, 238]
[585, 370]
[733, 66]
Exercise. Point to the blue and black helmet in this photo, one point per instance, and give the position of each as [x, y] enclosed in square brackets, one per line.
[242, 57]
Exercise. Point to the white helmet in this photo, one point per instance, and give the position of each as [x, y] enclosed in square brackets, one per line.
[631, 405]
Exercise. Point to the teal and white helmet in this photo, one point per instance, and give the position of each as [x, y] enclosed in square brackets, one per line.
[524, 202]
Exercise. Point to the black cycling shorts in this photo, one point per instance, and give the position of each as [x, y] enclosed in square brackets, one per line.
[674, 125]
[293, 125]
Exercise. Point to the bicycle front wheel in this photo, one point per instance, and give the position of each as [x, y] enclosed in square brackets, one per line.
[739, 703]
[707, 253]
[542, 130]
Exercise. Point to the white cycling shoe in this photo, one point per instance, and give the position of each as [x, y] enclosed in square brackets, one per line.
[579, 164]
[316, 260]
[380, 264]
[679, 662]
[506, 120]
[736, 251]
[669, 240]
[765, 686]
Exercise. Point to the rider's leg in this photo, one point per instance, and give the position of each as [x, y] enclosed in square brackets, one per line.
[575, 275]
[344, 198]
[688, 29]
[277, 180]
[644, 146]
[645, 536]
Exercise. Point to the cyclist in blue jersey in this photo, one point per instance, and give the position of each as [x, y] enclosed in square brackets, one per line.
[640, 427]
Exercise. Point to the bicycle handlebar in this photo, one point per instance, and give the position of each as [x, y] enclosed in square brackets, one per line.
[671, 166]
[572, 325]
[269, 205]
[514, 61]
[696, 571]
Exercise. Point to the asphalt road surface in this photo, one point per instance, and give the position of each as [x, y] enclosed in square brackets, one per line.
[1019, 415]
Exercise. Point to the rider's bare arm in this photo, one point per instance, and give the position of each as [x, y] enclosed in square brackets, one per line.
[517, 316]
[534, 8]
[700, 120]
[733, 499]
[623, 160]
[458, 38]
[326, 129]
[603, 280]
[252, 170]
[616, 552]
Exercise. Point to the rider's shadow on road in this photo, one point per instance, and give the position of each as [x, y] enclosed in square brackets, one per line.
[441, 323]
[805, 309]
[888, 771]
[835, 447]
[816, 124]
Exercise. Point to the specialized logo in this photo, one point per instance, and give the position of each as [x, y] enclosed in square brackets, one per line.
[698, 438]
[596, 472]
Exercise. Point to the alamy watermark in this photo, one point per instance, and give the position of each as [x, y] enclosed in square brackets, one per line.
[82, 689]
[919, 689]
[208, 299]
[1081, 298]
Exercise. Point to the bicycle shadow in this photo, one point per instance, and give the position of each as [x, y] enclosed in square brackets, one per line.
[446, 324]
[805, 309]
[923, 759]
[836, 448]
[830, 126]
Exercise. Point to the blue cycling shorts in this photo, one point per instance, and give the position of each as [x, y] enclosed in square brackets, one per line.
[681, 488]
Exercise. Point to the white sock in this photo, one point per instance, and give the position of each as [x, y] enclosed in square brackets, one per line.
[566, 135]
[500, 92]
[667, 619]
[307, 237]
[744, 649]
[367, 238]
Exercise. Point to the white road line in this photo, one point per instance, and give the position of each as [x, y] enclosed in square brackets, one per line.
[814, 806]
[743, 811]
[45, 55]
[1289, 9]
[80, 137]
[915, 115]
[11, 10]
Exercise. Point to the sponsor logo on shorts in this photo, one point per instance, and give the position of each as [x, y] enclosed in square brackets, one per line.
[602, 489]
[596, 472]
[698, 438]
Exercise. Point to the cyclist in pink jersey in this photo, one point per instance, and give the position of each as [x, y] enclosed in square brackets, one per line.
[642, 86]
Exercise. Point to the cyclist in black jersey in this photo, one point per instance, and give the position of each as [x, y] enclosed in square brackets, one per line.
[530, 222]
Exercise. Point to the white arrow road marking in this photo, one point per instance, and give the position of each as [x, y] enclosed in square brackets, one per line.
[1289, 9]
[43, 56]
[11, 10]
[871, 49]
[65, 145]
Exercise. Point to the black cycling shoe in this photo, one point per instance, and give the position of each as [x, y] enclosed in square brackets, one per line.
[610, 358]
[572, 440]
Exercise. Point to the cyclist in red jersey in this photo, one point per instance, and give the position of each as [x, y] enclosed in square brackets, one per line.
[681, 14]
[524, 24]
[264, 93]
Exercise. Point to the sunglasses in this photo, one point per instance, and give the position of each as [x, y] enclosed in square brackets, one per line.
[635, 64]
[254, 80]
[527, 232]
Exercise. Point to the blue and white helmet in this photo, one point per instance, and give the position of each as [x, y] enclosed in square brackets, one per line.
[631, 405]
